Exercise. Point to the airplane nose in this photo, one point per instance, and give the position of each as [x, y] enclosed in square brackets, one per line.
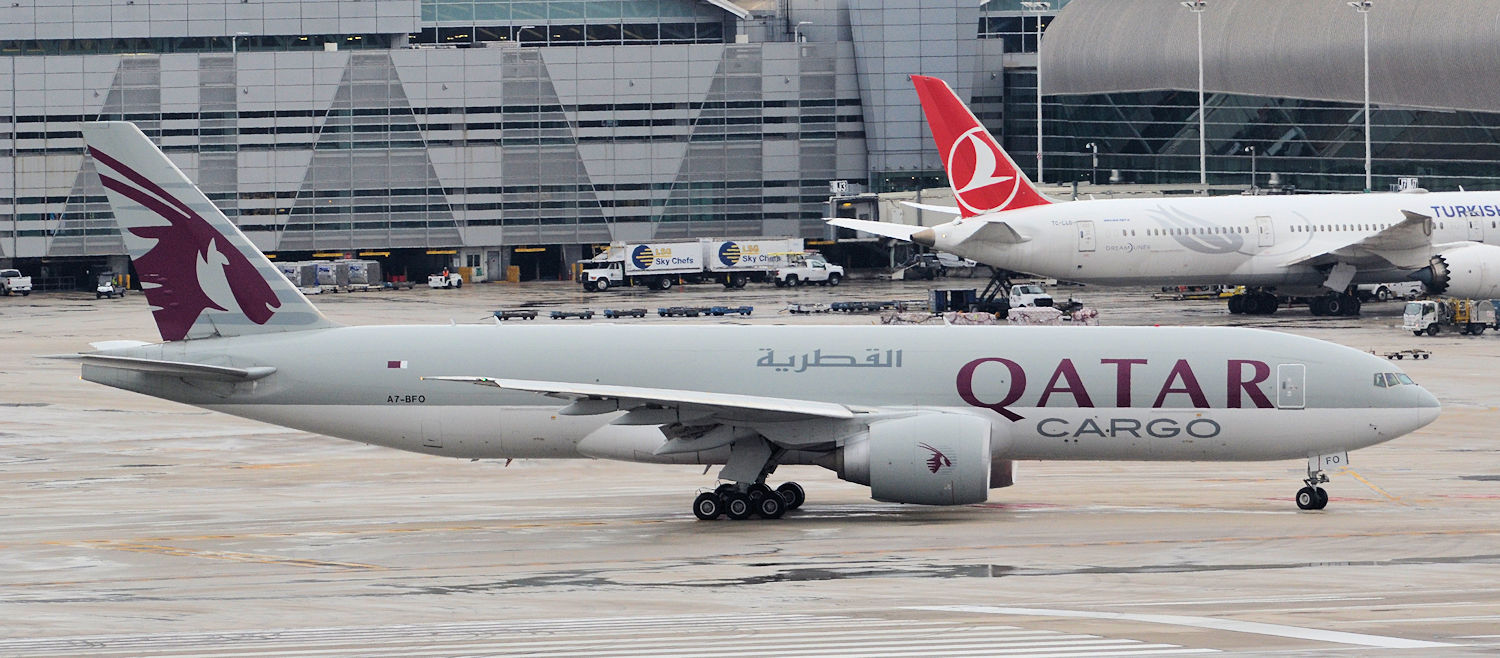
[1427, 406]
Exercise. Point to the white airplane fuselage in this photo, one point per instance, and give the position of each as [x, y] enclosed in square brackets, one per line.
[1237, 240]
[1049, 393]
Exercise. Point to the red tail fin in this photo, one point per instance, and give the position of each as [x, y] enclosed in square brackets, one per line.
[983, 177]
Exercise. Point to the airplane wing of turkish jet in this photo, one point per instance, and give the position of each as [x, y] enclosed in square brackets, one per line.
[1404, 244]
[887, 229]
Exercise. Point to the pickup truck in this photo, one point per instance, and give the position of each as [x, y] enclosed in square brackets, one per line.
[11, 282]
[1029, 294]
[805, 269]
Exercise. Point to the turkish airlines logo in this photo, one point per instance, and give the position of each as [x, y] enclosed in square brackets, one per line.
[938, 460]
[973, 165]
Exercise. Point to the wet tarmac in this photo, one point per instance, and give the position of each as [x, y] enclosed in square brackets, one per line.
[138, 527]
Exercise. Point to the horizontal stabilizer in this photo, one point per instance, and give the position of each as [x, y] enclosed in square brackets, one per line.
[887, 229]
[179, 368]
[998, 233]
[633, 396]
[946, 210]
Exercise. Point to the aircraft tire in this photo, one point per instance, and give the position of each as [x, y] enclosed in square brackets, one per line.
[1237, 304]
[708, 506]
[770, 507]
[1269, 304]
[1352, 305]
[1307, 498]
[737, 506]
[1334, 306]
[1322, 497]
[793, 494]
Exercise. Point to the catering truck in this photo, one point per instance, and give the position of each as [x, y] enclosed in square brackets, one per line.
[661, 263]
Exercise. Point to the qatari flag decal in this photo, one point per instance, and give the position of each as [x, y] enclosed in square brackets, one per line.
[395, 364]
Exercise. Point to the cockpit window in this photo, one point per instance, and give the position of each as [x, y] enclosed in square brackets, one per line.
[1392, 379]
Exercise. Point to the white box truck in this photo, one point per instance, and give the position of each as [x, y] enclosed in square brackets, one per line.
[661, 263]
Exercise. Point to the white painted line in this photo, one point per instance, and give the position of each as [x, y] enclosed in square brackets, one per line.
[1136, 650]
[658, 645]
[1279, 599]
[1231, 625]
[707, 650]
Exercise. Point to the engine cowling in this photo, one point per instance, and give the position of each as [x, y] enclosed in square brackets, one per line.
[1471, 271]
[927, 459]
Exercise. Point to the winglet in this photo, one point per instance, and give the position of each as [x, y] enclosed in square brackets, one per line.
[983, 177]
[201, 275]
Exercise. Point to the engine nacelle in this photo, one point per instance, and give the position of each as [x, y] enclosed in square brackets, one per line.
[928, 459]
[1471, 272]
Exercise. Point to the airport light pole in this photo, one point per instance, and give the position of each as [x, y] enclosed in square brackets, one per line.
[1094, 165]
[1251, 150]
[797, 31]
[1197, 7]
[1039, 8]
[1363, 7]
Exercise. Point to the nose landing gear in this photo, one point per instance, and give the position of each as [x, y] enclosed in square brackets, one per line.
[1312, 496]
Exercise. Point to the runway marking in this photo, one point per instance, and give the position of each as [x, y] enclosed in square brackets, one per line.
[1232, 625]
[177, 551]
[678, 636]
[1350, 472]
[1279, 599]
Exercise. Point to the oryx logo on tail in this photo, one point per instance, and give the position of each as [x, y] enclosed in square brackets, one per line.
[190, 267]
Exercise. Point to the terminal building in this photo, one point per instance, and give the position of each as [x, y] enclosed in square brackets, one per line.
[490, 134]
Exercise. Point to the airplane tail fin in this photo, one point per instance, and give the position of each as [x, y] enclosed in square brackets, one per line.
[983, 177]
[202, 277]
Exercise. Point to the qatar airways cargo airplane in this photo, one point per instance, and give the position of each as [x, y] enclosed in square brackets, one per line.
[1313, 245]
[929, 415]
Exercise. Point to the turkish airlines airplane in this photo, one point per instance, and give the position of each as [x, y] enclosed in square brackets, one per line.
[928, 415]
[1313, 245]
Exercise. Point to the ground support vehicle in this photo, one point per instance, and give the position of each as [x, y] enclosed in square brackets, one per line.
[12, 283]
[807, 268]
[1414, 354]
[1466, 316]
[862, 307]
[661, 264]
[1384, 292]
[679, 311]
[730, 310]
[107, 287]
[515, 314]
[445, 280]
[805, 309]
[1029, 294]
[615, 313]
[585, 314]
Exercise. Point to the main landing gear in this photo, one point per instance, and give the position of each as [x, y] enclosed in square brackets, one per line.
[1337, 303]
[1255, 302]
[1313, 496]
[740, 502]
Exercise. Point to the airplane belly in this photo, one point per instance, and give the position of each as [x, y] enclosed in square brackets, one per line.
[468, 432]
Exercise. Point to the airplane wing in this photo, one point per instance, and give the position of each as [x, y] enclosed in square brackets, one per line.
[589, 399]
[179, 368]
[946, 210]
[1414, 232]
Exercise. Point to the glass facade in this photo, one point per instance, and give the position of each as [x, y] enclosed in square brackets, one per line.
[1152, 137]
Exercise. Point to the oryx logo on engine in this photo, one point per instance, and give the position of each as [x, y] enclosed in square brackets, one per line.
[938, 460]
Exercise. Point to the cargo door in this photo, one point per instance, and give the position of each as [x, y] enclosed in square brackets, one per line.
[1265, 232]
[1085, 236]
[1291, 378]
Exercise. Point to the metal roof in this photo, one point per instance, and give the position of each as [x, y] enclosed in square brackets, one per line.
[1430, 54]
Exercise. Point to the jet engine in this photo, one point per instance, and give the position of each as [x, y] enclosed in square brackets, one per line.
[928, 459]
[1471, 271]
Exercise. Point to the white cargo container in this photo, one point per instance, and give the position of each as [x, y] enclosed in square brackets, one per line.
[659, 264]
